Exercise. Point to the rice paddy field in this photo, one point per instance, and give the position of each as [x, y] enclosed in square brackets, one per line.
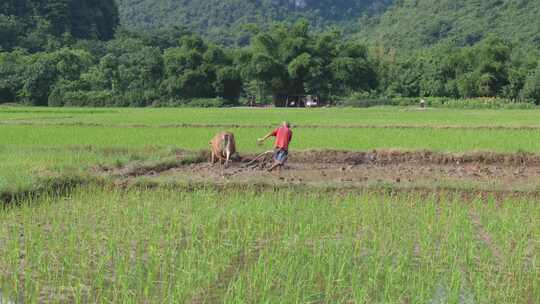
[380, 205]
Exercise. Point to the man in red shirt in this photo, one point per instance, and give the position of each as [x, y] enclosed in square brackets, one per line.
[283, 136]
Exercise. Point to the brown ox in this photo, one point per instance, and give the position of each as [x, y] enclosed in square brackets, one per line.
[222, 147]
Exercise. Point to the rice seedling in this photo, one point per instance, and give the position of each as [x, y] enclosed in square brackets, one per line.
[264, 117]
[88, 216]
[452, 140]
[106, 245]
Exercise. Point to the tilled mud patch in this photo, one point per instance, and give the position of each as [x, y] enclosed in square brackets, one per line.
[340, 175]
[420, 171]
[423, 157]
[344, 169]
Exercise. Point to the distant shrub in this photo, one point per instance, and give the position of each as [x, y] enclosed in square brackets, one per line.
[377, 102]
[406, 102]
[479, 103]
[366, 103]
[82, 99]
[206, 103]
[363, 100]
[139, 98]
[439, 102]
[193, 103]
[104, 98]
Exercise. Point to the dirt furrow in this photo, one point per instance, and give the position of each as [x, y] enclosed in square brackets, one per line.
[483, 235]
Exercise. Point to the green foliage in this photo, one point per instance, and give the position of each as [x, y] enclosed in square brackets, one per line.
[198, 70]
[491, 68]
[11, 74]
[206, 103]
[410, 25]
[292, 60]
[404, 25]
[39, 25]
[234, 21]
[366, 102]
[531, 88]
[50, 55]
[480, 103]
[228, 84]
[43, 70]
[9, 31]
[172, 243]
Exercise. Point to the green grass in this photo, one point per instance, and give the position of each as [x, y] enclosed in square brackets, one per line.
[24, 167]
[161, 246]
[453, 140]
[174, 246]
[330, 116]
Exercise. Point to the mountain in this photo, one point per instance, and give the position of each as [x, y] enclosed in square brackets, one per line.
[402, 24]
[38, 24]
[225, 20]
[411, 24]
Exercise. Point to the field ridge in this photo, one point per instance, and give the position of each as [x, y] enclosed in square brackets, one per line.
[22, 122]
[61, 187]
[339, 163]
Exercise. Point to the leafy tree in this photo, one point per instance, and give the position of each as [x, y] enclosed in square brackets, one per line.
[45, 69]
[233, 22]
[291, 60]
[411, 25]
[198, 70]
[10, 29]
[34, 23]
[531, 88]
[228, 84]
[11, 74]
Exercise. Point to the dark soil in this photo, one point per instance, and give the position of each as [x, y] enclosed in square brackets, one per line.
[423, 169]
[471, 176]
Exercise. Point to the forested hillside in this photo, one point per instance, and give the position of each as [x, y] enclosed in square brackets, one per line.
[225, 20]
[402, 24]
[72, 52]
[40, 24]
[413, 24]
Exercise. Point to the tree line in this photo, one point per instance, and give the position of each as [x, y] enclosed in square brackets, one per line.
[492, 67]
[138, 69]
[177, 67]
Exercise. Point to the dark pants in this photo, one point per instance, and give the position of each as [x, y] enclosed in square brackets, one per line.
[280, 155]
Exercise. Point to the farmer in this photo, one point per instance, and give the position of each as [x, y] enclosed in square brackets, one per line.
[283, 136]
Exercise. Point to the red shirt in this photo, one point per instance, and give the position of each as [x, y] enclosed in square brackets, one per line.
[283, 137]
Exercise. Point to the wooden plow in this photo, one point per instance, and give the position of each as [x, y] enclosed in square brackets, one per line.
[261, 161]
